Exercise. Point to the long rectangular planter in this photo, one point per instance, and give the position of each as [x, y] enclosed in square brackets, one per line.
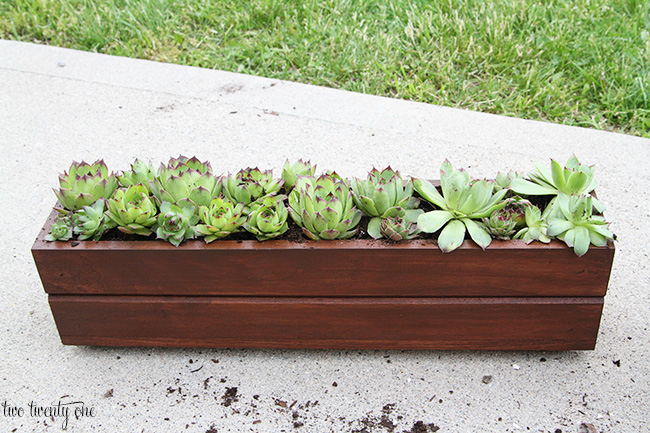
[327, 294]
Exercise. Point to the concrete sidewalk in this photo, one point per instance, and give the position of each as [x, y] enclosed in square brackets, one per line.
[59, 105]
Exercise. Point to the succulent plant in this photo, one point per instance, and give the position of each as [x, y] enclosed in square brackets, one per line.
[396, 229]
[250, 184]
[220, 219]
[576, 225]
[91, 222]
[84, 183]
[334, 175]
[536, 226]
[504, 180]
[132, 210]
[460, 204]
[517, 207]
[175, 224]
[324, 208]
[185, 182]
[291, 171]
[267, 218]
[502, 224]
[61, 229]
[574, 178]
[383, 194]
[140, 173]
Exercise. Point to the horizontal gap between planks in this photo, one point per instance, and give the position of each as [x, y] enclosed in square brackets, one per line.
[589, 300]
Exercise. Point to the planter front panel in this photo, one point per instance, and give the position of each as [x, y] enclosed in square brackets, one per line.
[337, 323]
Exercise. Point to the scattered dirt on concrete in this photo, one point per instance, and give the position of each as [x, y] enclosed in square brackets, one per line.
[229, 397]
[421, 427]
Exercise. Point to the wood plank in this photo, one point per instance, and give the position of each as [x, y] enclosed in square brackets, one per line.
[333, 323]
[325, 268]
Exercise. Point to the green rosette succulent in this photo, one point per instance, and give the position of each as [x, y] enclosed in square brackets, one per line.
[249, 185]
[576, 225]
[220, 219]
[132, 210]
[334, 175]
[140, 173]
[517, 207]
[536, 226]
[383, 194]
[574, 178]
[61, 229]
[461, 203]
[176, 224]
[504, 180]
[324, 208]
[502, 224]
[84, 183]
[185, 182]
[290, 172]
[397, 229]
[91, 222]
[267, 218]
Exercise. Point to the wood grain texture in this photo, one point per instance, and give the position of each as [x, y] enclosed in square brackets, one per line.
[332, 323]
[324, 268]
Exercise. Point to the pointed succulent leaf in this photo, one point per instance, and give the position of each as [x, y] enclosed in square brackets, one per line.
[381, 200]
[522, 186]
[576, 183]
[558, 175]
[429, 192]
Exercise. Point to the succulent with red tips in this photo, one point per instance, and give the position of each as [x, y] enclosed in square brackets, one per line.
[83, 184]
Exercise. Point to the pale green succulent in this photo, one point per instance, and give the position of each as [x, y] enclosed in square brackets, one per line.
[185, 182]
[504, 180]
[220, 219]
[176, 224]
[536, 226]
[84, 183]
[396, 229]
[250, 184]
[91, 222]
[576, 225]
[267, 218]
[574, 178]
[132, 210]
[291, 171]
[383, 194]
[324, 208]
[502, 224]
[140, 173]
[460, 204]
[61, 229]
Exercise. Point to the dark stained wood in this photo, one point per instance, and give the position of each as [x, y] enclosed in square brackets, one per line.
[324, 268]
[334, 323]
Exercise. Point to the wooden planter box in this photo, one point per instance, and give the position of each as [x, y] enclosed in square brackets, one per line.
[359, 294]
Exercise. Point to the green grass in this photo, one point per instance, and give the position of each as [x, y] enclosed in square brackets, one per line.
[579, 62]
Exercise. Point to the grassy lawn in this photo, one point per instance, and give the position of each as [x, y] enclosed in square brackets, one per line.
[577, 62]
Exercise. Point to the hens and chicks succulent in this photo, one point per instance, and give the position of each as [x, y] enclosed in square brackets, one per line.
[184, 199]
